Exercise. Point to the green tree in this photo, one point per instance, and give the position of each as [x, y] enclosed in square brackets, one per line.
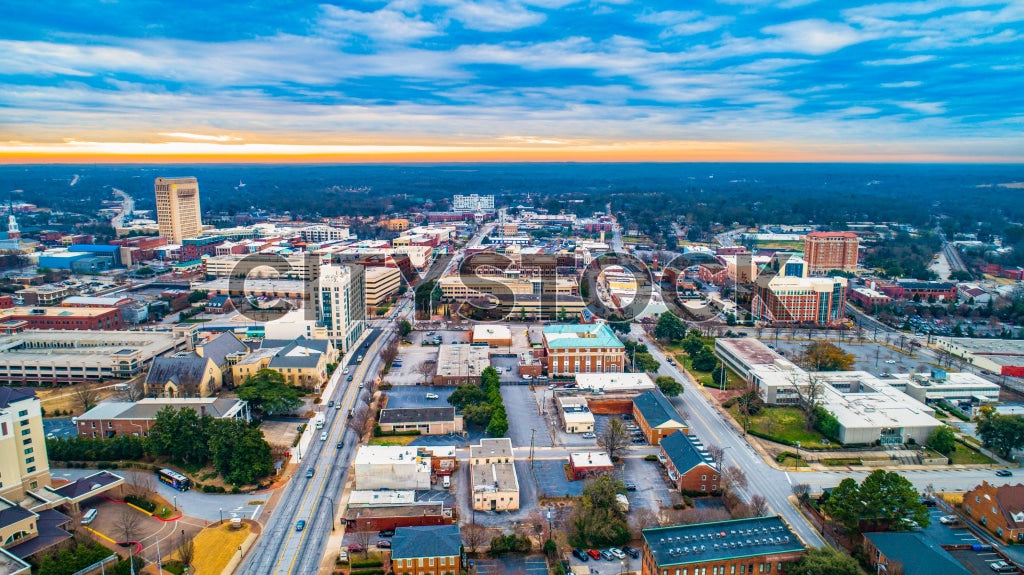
[617, 324]
[181, 435]
[239, 451]
[404, 328]
[1001, 433]
[669, 328]
[826, 356]
[478, 413]
[825, 561]
[692, 343]
[643, 361]
[498, 426]
[597, 520]
[942, 439]
[197, 296]
[467, 394]
[267, 392]
[668, 385]
[705, 360]
[884, 500]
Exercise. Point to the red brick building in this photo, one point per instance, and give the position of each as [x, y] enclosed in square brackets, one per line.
[925, 290]
[419, 514]
[999, 508]
[713, 273]
[828, 251]
[657, 417]
[589, 464]
[426, 550]
[796, 300]
[6, 302]
[761, 545]
[689, 466]
[580, 348]
[99, 318]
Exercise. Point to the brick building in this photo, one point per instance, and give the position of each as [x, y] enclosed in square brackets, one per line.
[584, 464]
[925, 290]
[656, 416]
[426, 420]
[999, 508]
[798, 300]
[433, 550]
[828, 251]
[689, 466]
[573, 349]
[913, 552]
[98, 318]
[737, 547]
[125, 418]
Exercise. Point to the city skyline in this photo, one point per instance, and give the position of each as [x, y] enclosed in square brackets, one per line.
[531, 80]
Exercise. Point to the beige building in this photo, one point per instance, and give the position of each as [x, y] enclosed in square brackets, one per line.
[426, 420]
[302, 362]
[495, 484]
[23, 461]
[177, 208]
[380, 284]
[298, 266]
[575, 414]
[459, 363]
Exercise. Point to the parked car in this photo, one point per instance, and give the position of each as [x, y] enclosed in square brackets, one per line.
[607, 555]
[617, 552]
[386, 533]
[383, 544]
[579, 554]
[552, 386]
[527, 376]
[1002, 567]
[355, 548]
[1004, 473]
[594, 553]
[639, 440]
[630, 486]
[343, 556]
[634, 553]
[949, 519]
[300, 525]
[431, 396]
[627, 416]
[589, 435]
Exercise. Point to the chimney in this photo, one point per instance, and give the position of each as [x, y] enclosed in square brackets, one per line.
[202, 411]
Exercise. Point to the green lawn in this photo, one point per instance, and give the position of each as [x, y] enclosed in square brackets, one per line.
[705, 378]
[784, 424]
[796, 246]
[965, 455]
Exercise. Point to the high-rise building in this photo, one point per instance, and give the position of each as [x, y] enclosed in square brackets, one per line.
[23, 461]
[341, 304]
[472, 203]
[177, 208]
[828, 251]
[799, 300]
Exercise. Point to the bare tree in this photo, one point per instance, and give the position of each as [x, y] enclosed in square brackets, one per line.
[363, 539]
[614, 439]
[426, 369]
[187, 551]
[132, 390]
[758, 505]
[809, 394]
[692, 515]
[473, 535]
[359, 418]
[732, 478]
[142, 487]
[389, 353]
[86, 396]
[128, 523]
[643, 518]
[716, 452]
[801, 490]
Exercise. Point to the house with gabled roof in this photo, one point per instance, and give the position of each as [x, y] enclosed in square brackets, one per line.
[198, 373]
[656, 416]
[300, 361]
[1000, 508]
[427, 550]
[689, 465]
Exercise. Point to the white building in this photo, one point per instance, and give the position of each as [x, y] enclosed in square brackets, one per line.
[495, 483]
[953, 388]
[391, 467]
[320, 233]
[340, 304]
[615, 382]
[472, 203]
[575, 414]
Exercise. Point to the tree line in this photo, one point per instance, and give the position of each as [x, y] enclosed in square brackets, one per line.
[483, 405]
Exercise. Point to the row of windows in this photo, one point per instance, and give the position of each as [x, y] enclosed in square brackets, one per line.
[425, 561]
[722, 570]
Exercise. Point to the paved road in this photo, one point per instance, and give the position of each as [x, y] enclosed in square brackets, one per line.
[283, 549]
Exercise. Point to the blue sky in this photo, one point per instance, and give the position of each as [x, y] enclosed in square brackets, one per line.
[531, 79]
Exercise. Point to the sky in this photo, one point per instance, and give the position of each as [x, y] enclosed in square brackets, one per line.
[522, 80]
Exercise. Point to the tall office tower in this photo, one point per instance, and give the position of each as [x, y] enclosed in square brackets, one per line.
[341, 304]
[828, 251]
[177, 208]
[23, 462]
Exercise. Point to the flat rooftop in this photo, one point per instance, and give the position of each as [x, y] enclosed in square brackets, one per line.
[491, 477]
[615, 381]
[721, 541]
[386, 454]
[500, 447]
[747, 350]
[459, 359]
[590, 459]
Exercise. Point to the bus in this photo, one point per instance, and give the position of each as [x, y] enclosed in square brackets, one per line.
[174, 479]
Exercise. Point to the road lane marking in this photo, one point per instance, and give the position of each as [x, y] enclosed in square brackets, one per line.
[788, 478]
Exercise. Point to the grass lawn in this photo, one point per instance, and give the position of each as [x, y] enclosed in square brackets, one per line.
[215, 546]
[705, 379]
[393, 440]
[793, 462]
[785, 424]
[796, 245]
[965, 455]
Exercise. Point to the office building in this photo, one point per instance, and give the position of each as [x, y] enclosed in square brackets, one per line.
[579, 348]
[831, 251]
[391, 467]
[657, 417]
[797, 300]
[381, 284]
[737, 547]
[177, 208]
[426, 420]
[340, 304]
[23, 461]
[575, 414]
[123, 418]
[459, 363]
[427, 550]
[495, 483]
[472, 203]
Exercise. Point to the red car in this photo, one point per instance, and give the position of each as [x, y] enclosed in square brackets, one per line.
[383, 544]
[594, 553]
[356, 548]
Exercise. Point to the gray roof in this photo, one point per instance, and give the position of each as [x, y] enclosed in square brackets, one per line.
[721, 541]
[656, 409]
[149, 407]
[218, 348]
[294, 354]
[417, 414]
[9, 395]
[683, 453]
[86, 485]
[186, 370]
[11, 514]
[50, 527]
[429, 541]
[919, 554]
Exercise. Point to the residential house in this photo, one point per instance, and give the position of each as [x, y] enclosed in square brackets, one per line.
[689, 466]
[430, 550]
[656, 416]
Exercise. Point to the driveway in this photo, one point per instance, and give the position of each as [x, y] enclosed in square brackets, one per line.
[59, 427]
[524, 418]
[522, 564]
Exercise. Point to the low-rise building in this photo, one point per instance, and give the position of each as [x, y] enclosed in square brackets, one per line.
[615, 383]
[999, 356]
[740, 547]
[580, 348]
[575, 414]
[913, 552]
[76, 318]
[492, 335]
[940, 385]
[460, 363]
[301, 361]
[999, 508]
[435, 550]
[391, 467]
[426, 420]
[585, 464]
[690, 467]
[657, 417]
[123, 418]
[495, 483]
[183, 375]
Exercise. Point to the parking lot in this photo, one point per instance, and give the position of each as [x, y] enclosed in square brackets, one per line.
[416, 396]
[525, 565]
[281, 432]
[551, 479]
[525, 420]
[868, 356]
[113, 516]
[58, 427]
[652, 489]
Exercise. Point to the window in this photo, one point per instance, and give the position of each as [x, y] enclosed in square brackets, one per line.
[31, 469]
[33, 459]
[29, 450]
[26, 431]
[23, 423]
[703, 477]
[703, 487]
[26, 441]
[23, 413]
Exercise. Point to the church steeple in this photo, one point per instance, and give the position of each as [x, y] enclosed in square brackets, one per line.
[12, 224]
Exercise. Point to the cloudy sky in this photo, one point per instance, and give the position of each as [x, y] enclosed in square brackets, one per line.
[774, 80]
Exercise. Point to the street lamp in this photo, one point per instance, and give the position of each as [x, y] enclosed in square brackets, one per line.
[239, 553]
[175, 502]
[221, 515]
[796, 463]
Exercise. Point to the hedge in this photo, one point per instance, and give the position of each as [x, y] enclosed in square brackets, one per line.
[366, 572]
[841, 461]
[366, 563]
[140, 502]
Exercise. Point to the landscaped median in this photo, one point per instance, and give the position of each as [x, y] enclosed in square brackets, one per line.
[217, 547]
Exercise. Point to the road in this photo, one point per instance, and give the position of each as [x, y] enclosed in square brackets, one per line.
[281, 548]
[127, 207]
[949, 250]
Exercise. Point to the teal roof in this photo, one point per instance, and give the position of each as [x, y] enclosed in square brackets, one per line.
[578, 335]
[919, 555]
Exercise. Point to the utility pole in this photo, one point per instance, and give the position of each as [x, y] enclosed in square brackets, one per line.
[533, 432]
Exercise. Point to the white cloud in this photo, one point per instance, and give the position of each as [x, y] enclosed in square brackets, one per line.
[493, 16]
[384, 25]
[924, 108]
[904, 84]
[815, 36]
[908, 61]
[683, 23]
[200, 137]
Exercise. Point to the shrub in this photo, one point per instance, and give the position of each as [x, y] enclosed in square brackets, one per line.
[140, 502]
[511, 543]
[366, 563]
[366, 572]
[651, 457]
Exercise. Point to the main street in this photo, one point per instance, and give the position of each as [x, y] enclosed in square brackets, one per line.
[282, 549]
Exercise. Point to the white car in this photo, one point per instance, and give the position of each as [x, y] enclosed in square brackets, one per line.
[948, 519]
[618, 553]
[589, 435]
[431, 396]
[890, 361]
[527, 376]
